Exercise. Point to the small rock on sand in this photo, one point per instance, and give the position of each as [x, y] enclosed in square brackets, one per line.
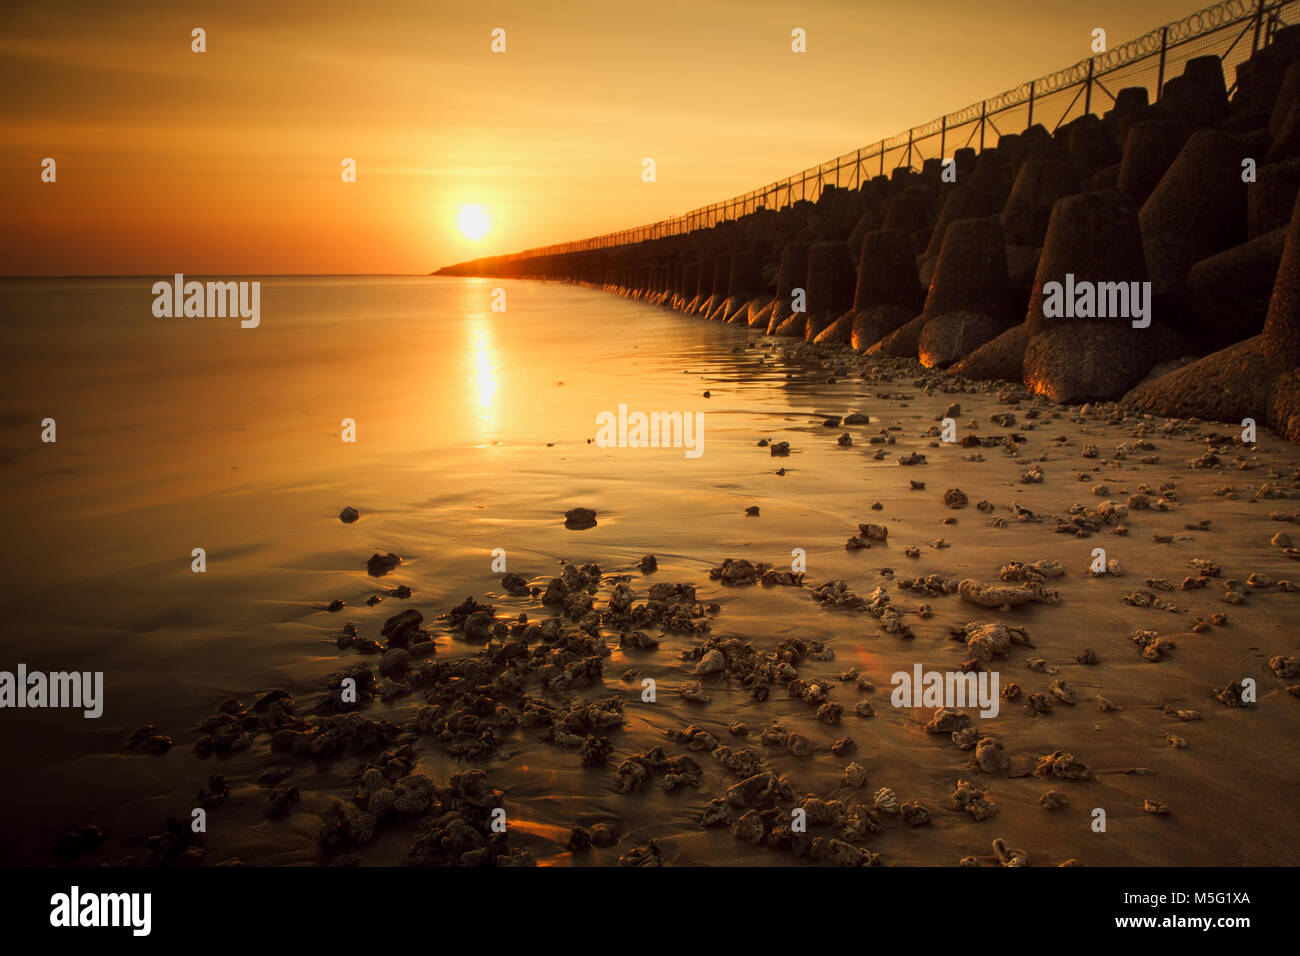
[579, 519]
[855, 775]
[380, 564]
[349, 515]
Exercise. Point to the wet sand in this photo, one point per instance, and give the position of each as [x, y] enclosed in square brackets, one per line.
[236, 446]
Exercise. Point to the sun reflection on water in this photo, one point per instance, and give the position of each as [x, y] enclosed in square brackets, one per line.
[482, 361]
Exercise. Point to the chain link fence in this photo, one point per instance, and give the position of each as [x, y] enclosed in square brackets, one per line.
[1231, 30]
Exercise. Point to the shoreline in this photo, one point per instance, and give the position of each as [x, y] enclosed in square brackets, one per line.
[575, 714]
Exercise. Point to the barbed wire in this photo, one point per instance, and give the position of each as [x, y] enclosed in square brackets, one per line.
[1212, 20]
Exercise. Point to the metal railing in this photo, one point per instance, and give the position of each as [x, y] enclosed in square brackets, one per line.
[1231, 30]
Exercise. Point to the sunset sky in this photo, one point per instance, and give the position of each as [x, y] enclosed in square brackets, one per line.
[228, 162]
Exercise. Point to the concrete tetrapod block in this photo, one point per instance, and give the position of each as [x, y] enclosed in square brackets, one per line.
[965, 158]
[969, 301]
[1092, 147]
[888, 292]
[1086, 360]
[689, 282]
[1287, 143]
[1045, 176]
[1128, 101]
[1149, 150]
[1287, 96]
[1036, 138]
[833, 229]
[721, 276]
[902, 342]
[876, 189]
[995, 175]
[1197, 209]
[1095, 238]
[831, 281]
[1229, 293]
[1105, 178]
[703, 283]
[886, 295]
[999, 359]
[1260, 78]
[793, 275]
[1022, 267]
[763, 282]
[1254, 379]
[743, 284]
[909, 213]
[1199, 96]
[920, 239]
[1270, 198]
[963, 202]
[870, 220]
[1012, 148]
[760, 313]
[1281, 336]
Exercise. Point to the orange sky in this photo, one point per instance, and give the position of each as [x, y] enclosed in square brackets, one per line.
[227, 162]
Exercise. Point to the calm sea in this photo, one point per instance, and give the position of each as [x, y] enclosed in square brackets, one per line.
[473, 433]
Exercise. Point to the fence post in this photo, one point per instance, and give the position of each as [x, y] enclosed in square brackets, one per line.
[909, 149]
[943, 136]
[882, 158]
[1031, 104]
[1087, 92]
[857, 171]
[983, 110]
[1259, 22]
[1164, 47]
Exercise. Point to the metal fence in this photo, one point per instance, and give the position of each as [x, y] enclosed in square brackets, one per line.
[1231, 30]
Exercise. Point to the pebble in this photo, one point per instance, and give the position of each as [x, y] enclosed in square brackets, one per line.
[855, 775]
[377, 565]
[1051, 799]
[579, 519]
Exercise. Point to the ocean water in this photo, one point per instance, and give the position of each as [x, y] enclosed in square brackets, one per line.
[473, 433]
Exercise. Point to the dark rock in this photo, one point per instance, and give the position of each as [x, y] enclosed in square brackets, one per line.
[380, 564]
[579, 519]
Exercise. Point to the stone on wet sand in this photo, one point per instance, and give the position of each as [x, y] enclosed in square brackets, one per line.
[579, 519]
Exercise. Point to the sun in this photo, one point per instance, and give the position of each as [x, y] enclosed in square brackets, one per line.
[473, 222]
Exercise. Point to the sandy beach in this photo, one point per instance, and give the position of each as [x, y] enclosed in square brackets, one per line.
[542, 690]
